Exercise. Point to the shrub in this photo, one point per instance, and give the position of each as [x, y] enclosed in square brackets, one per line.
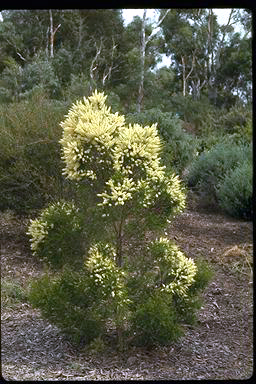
[237, 122]
[30, 165]
[176, 272]
[199, 113]
[125, 190]
[78, 87]
[179, 146]
[166, 292]
[88, 297]
[210, 166]
[56, 236]
[234, 191]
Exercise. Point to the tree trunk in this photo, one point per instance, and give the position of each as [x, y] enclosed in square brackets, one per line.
[119, 245]
[143, 45]
[52, 33]
[184, 75]
[215, 63]
[142, 62]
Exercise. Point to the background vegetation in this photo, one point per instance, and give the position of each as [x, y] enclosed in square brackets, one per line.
[201, 101]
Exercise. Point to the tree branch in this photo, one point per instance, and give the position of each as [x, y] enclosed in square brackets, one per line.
[157, 25]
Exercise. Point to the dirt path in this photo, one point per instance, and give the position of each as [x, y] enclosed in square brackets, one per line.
[219, 347]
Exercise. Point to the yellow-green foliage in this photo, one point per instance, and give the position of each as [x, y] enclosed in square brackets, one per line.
[39, 228]
[108, 280]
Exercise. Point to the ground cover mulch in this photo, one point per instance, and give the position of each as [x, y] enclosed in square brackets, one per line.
[218, 347]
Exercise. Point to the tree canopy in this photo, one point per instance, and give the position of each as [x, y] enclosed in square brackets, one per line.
[208, 59]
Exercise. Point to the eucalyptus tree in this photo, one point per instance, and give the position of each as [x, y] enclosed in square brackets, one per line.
[201, 49]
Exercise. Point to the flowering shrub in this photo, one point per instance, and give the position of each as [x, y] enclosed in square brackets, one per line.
[124, 192]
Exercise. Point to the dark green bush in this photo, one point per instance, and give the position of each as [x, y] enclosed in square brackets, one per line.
[81, 302]
[235, 190]
[30, 164]
[156, 300]
[179, 146]
[210, 166]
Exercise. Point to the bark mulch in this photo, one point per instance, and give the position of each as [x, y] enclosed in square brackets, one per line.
[218, 347]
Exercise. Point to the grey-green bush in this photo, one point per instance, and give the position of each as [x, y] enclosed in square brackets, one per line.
[210, 167]
[235, 190]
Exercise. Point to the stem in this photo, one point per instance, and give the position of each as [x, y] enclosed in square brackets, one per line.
[119, 242]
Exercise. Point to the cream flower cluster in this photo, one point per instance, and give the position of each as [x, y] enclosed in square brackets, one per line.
[103, 270]
[118, 193]
[177, 271]
[38, 229]
[88, 130]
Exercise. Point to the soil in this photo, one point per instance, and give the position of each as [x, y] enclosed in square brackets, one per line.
[218, 347]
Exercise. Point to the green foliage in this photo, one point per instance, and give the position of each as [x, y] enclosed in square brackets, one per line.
[40, 73]
[11, 82]
[67, 300]
[77, 88]
[211, 166]
[199, 113]
[237, 122]
[154, 322]
[18, 82]
[11, 293]
[235, 190]
[166, 290]
[186, 307]
[179, 147]
[204, 274]
[30, 166]
[56, 236]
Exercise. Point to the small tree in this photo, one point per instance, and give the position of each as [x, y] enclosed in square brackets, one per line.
[123, 193]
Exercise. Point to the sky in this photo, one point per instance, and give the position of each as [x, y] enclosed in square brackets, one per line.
[128, 14]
